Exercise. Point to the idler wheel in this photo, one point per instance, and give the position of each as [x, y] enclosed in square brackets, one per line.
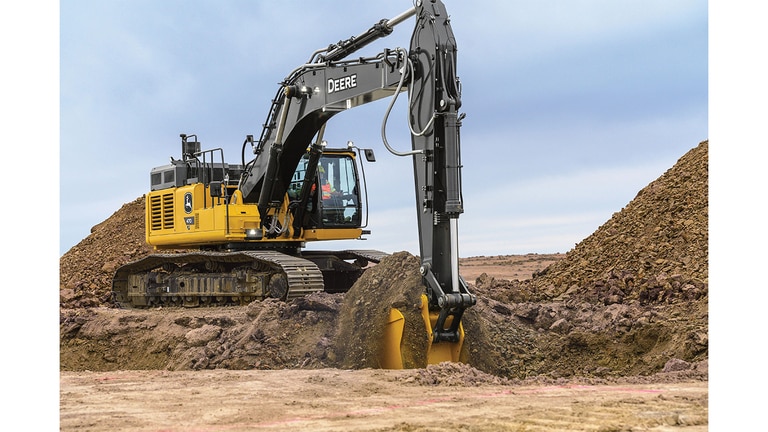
[277, 286]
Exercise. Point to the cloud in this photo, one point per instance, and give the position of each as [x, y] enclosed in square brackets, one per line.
[550, 213]
[521, 235]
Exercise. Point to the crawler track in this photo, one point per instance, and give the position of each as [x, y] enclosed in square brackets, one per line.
[220, 278]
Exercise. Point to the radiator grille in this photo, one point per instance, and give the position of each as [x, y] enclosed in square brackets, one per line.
[161, 211]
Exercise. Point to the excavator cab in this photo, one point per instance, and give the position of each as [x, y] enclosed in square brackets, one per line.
[327, 191]
[335, 198]
[340, 201]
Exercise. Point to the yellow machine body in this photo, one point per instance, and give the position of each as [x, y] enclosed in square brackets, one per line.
[170, 226]
[190, 216]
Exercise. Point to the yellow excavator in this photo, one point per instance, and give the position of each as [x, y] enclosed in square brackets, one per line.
[244, 227]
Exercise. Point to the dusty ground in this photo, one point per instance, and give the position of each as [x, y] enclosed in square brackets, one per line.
[368, 400]
[612, 335]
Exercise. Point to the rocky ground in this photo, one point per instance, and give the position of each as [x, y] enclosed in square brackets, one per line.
[627, 304]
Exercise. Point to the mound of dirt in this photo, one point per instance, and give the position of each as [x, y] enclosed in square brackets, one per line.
[86, 270]
[629, 300]
[263, 335]
[626, 300]
[655, 250]
[454, 375]
[394, 283]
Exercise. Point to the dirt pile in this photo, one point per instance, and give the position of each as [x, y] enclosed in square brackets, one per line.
[86, 270]
[627, 299]
[655, 250]
[630, 300]
[263, 335]
[394, 283]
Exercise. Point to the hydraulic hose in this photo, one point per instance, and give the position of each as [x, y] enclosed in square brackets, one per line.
[389, 109]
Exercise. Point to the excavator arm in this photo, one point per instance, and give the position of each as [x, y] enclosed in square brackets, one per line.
[434, 100]
[330, 83]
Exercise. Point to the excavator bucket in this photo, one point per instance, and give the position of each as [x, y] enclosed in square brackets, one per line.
[390, 356]
[392, 347]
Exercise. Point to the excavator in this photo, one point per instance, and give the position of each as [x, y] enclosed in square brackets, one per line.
[236, 233]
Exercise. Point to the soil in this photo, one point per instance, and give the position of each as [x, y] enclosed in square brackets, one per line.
[612, 335]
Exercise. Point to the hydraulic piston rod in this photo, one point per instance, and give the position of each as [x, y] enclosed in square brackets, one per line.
[379, 30]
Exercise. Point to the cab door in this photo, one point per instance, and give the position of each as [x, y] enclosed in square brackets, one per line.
[334, 199]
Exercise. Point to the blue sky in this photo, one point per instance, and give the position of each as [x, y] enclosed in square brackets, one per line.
[571, 108]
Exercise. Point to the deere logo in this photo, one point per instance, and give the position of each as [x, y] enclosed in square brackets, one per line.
[188, 202]
[342, 83]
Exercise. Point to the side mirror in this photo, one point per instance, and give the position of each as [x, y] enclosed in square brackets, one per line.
[369, 156]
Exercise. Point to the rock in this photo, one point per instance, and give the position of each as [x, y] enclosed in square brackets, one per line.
[560, 326]
[66, 295]
[674, 365]
[484, 281]
[110, 266]
[202, 335]
[527, 312]
[317, 302]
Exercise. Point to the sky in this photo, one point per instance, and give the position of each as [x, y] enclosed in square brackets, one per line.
[571, 108]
